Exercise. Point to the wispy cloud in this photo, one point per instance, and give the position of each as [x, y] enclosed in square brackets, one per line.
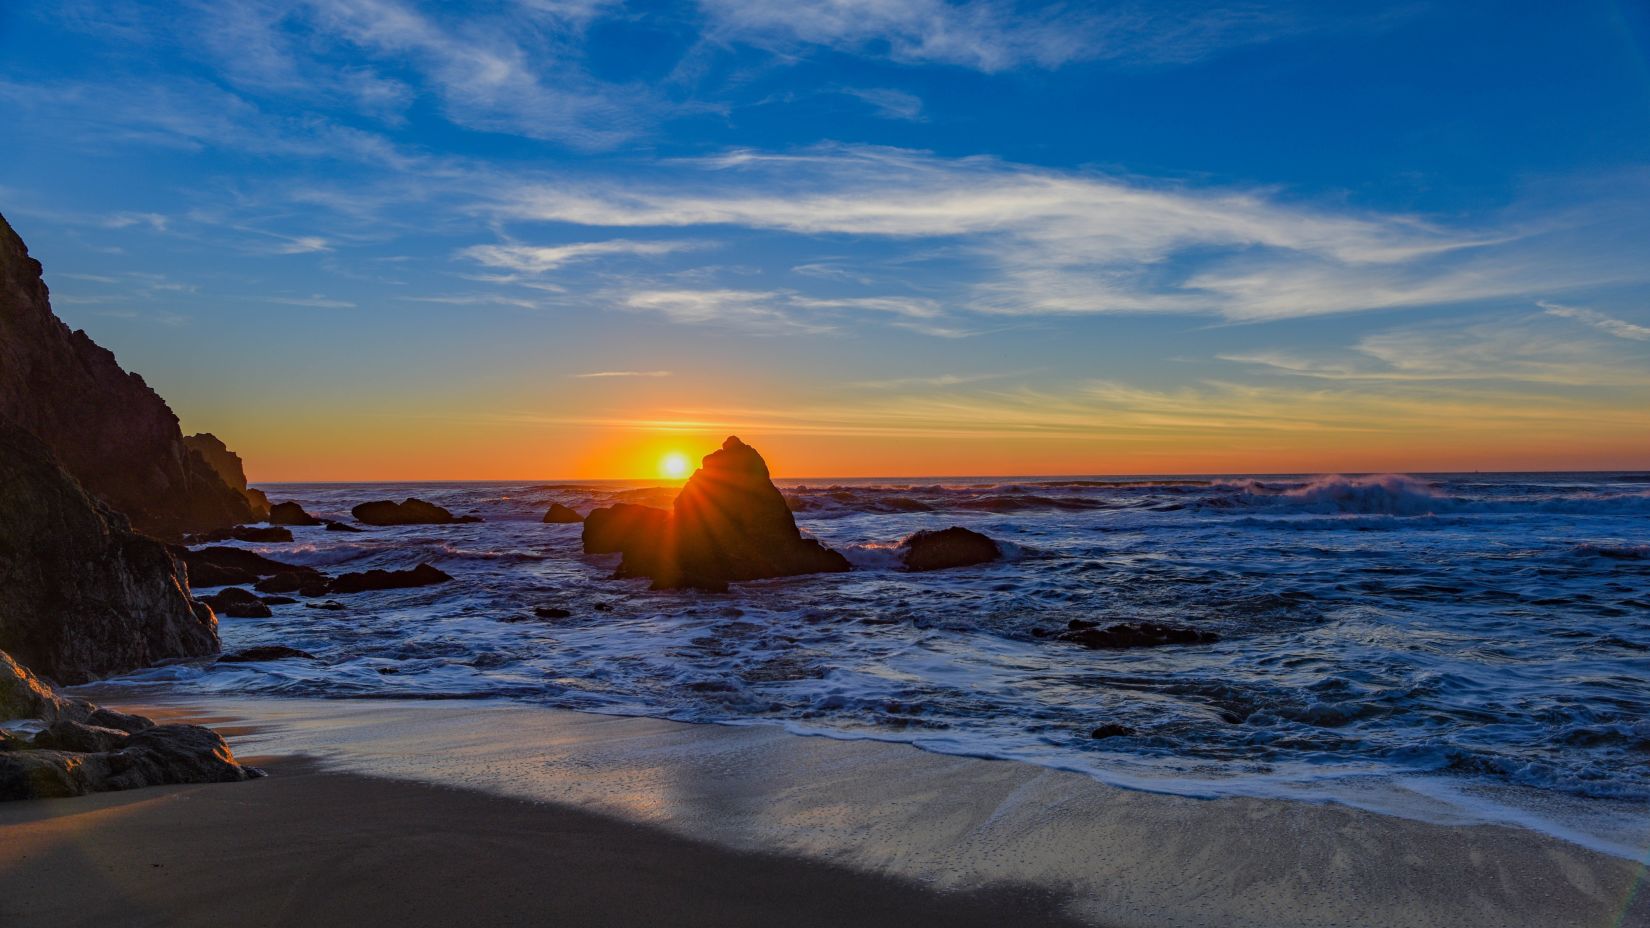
[759, 312]
[888, 102]
[1523, 349]
[1620, 328]
[997, 35]
[316, 301]
[537, 259]
[1034, 241]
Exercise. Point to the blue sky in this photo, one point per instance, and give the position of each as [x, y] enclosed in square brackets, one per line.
[886, 236]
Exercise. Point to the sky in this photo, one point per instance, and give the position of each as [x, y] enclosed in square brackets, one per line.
[391, 240]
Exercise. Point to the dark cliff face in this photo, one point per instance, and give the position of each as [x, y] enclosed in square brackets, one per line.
[105, 426]
[82, 595]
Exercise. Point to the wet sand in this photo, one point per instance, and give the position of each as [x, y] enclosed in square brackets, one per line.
[418, 813]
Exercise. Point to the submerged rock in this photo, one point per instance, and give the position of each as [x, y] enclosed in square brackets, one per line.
[105, 427]
[1131, 635]
[237, 603]
[729, 523]
[552, 612]
[411, 512]
[562, 515]
[269, 652]
[312, 583]
[1111, 730]
[951, 547]
[422, 575]
[82, 595]
[290, 513]
[342, 527]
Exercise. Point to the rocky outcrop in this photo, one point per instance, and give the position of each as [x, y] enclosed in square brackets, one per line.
[82, 595]
[611, 529]
[81, 748]
[290, 513]
[729, 523]
[951, 547]
[410, 512]
[227, 465]
[562, 515]
[105, 426]
[422, 575]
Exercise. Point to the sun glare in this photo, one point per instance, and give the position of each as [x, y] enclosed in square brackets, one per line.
[674, 465]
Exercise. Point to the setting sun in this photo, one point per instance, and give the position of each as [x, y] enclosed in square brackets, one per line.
[674, 465]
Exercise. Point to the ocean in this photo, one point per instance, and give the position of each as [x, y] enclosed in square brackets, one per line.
[1463, 647]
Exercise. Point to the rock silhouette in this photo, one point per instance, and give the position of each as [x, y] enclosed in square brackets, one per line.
[951, 547]
[227, 465]
[1131, 635]
[411, 512]
[83, 595]
[562, 515]
[290, 513]
[729, 523]
[104, 426]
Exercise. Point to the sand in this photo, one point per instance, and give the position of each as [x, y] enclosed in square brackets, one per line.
[423, 813]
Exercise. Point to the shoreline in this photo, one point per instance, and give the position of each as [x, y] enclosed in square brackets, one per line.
[1117, 857]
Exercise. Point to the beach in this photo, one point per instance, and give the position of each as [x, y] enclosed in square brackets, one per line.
[410, 812]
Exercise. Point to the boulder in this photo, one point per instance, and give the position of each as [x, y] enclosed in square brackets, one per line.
[342, 527]
[729, 523]
[83, 596]
[422, 575]
[227, 465]
[411, 512]
[237, 603]
[66, 735]
[290, 513]
[104, 426]
[562, 515]
[25, 696]
[951, 547]
[1131, 635]
[269, 652]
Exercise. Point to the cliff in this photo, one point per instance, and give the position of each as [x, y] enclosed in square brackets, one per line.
[105, 426]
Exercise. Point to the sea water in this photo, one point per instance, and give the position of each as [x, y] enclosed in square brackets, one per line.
[1482, 641]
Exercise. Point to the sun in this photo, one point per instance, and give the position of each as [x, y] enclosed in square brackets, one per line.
[674, 465]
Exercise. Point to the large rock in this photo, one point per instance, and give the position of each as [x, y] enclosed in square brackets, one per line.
[82, 595]
[290, 513]
[411, 512]
[227, 465]
[614, 528]
[105, 426]
[950, 547]
[729, 523]
[558, 514]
